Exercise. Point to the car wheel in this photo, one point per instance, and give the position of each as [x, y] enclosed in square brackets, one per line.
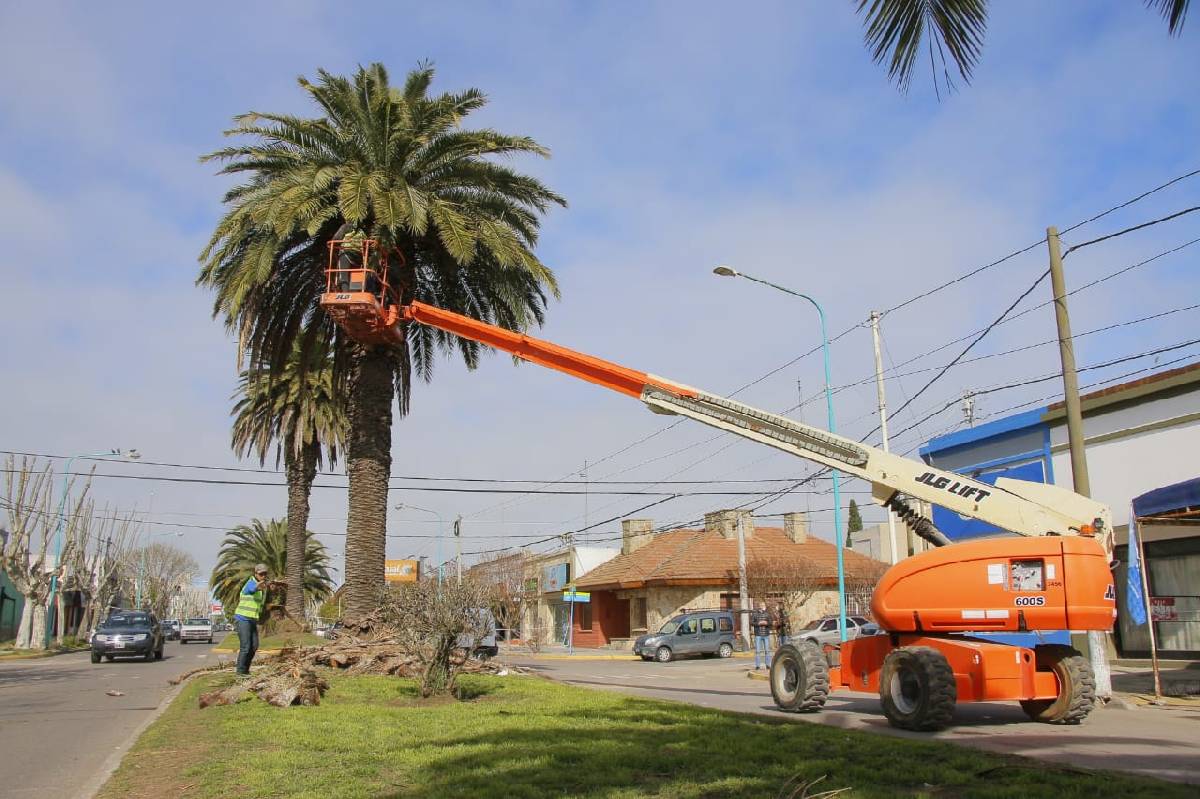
[664, 654]
[109, 658]
[210, 640]
[158, 653]
[725, 651]
[149, 656]
[95, 657]
[182, 641]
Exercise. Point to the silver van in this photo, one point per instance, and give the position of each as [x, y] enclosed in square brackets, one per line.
[699, 632]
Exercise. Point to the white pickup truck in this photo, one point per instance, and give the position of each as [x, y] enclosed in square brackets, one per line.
[196, 630]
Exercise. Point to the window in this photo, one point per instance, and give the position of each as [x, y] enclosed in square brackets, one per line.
[688, 627]
[639, 613]
[708, 625]
[831, 624]
[583, 612]
[726, 624]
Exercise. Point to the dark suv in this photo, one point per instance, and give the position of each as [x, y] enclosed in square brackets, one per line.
[128, 632]
[698, 632]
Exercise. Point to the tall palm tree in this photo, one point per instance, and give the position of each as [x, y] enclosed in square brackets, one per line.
[395, 165]
[897, 29]
[302, 415]
[267, 542]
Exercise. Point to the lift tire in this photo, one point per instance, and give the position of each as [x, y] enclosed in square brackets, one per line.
[1077, 686]
[917, 689]
[799, 678]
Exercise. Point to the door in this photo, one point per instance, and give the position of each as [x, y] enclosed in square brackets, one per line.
[687, 637]
[710, 638]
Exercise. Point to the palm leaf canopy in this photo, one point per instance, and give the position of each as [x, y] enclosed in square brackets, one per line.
[291, 410]
[266, 542]
[396, 164]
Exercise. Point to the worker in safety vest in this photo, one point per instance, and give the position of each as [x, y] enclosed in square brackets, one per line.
[251, 603]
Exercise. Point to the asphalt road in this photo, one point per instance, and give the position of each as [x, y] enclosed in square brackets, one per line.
[59, 727]
[1153, 741]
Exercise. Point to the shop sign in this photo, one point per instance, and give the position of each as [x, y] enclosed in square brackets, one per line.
[554, 578]
[1162, 608]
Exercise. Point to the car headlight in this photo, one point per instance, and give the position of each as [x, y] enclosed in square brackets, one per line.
[101, 637]
[140, 637]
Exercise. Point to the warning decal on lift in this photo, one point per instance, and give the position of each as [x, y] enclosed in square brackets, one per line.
[1110, 592]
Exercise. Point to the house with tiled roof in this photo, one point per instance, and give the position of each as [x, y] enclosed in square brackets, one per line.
[659, 575]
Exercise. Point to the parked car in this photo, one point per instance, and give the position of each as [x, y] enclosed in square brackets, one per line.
[171, 629]
[200, 629]
[707, 632]
[484, 645]
[128, 632]
[825, 630]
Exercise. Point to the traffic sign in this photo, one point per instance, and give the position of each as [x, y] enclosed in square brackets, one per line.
[576, 596]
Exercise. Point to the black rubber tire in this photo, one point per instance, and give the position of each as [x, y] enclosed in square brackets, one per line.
[647, 657]
[149, 656]
[917, 689]
[1077, 686]
[158, 653]
[95, 657]
[182, 641]
[210, 640]
[109, 658]
[664, 654]
[725, 651]
[799, 678]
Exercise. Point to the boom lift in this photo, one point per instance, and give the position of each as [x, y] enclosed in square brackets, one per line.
[1053, 576]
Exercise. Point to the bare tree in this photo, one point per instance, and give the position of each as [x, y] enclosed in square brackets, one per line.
[162, 570]
[504, 577]
[113, 562]
[860, 585]
[437, 626]
[26, 556]
[792, 580]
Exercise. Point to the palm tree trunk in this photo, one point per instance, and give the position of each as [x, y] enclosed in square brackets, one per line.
[368, 465]
[301, 471]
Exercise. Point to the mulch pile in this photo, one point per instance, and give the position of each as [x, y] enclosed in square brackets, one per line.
[293, 676]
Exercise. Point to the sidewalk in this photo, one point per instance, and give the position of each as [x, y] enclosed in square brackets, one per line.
[559, 652]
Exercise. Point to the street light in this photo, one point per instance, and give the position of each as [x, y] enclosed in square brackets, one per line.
[726, 271]
[52, 611]
[441, 526]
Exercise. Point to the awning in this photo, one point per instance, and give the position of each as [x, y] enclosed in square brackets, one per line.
[1173, 499]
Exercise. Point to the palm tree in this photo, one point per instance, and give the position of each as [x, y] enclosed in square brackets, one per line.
[896, 29]
[303, 416]
[395, 165]
[267, 542]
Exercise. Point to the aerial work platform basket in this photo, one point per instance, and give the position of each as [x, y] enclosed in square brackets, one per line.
[358, 296]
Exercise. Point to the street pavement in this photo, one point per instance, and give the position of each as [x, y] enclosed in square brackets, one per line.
[1161, 742]
[58, 726]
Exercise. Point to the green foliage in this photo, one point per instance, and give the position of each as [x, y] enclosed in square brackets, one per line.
[397, 164]
[293, 409]
[854, 524]
[897, 29]
[526, 737]
[259, 542]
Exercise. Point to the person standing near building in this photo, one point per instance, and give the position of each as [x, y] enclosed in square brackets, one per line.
[760, 626]
[251, 603]
[782, 624]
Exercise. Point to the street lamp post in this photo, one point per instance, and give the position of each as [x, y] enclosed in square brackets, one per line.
[726, 271]
[51, 608]
[441, 526]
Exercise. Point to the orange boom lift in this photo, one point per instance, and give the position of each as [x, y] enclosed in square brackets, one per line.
[1053, 575]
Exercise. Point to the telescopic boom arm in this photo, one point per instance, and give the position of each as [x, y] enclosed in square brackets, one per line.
[1030, 509]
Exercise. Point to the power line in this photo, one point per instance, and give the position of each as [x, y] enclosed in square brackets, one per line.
[1151, 223]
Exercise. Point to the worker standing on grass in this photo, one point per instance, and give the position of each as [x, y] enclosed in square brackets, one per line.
[251, 603]
[760, 623]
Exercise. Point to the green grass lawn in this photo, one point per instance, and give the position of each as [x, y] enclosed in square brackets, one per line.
[230, 641]
[527, 737]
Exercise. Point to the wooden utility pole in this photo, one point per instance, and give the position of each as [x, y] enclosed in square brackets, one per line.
[883, 423]
[1097, 649]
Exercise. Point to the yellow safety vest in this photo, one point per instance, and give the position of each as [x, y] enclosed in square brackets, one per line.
[249, 605]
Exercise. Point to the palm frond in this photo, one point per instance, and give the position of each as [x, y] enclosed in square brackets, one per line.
[895, 30]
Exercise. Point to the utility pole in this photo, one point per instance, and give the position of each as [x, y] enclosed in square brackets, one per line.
[883, 422]
[968, 408]
[1097, 653]
[743, 598]
[458, 547]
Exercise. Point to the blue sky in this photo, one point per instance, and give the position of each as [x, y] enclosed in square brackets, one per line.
[683, 135]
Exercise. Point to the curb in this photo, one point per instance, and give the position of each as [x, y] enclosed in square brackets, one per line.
[113, 761]
[40, 654]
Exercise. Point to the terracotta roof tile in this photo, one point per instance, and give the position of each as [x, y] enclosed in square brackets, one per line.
[691, 555]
